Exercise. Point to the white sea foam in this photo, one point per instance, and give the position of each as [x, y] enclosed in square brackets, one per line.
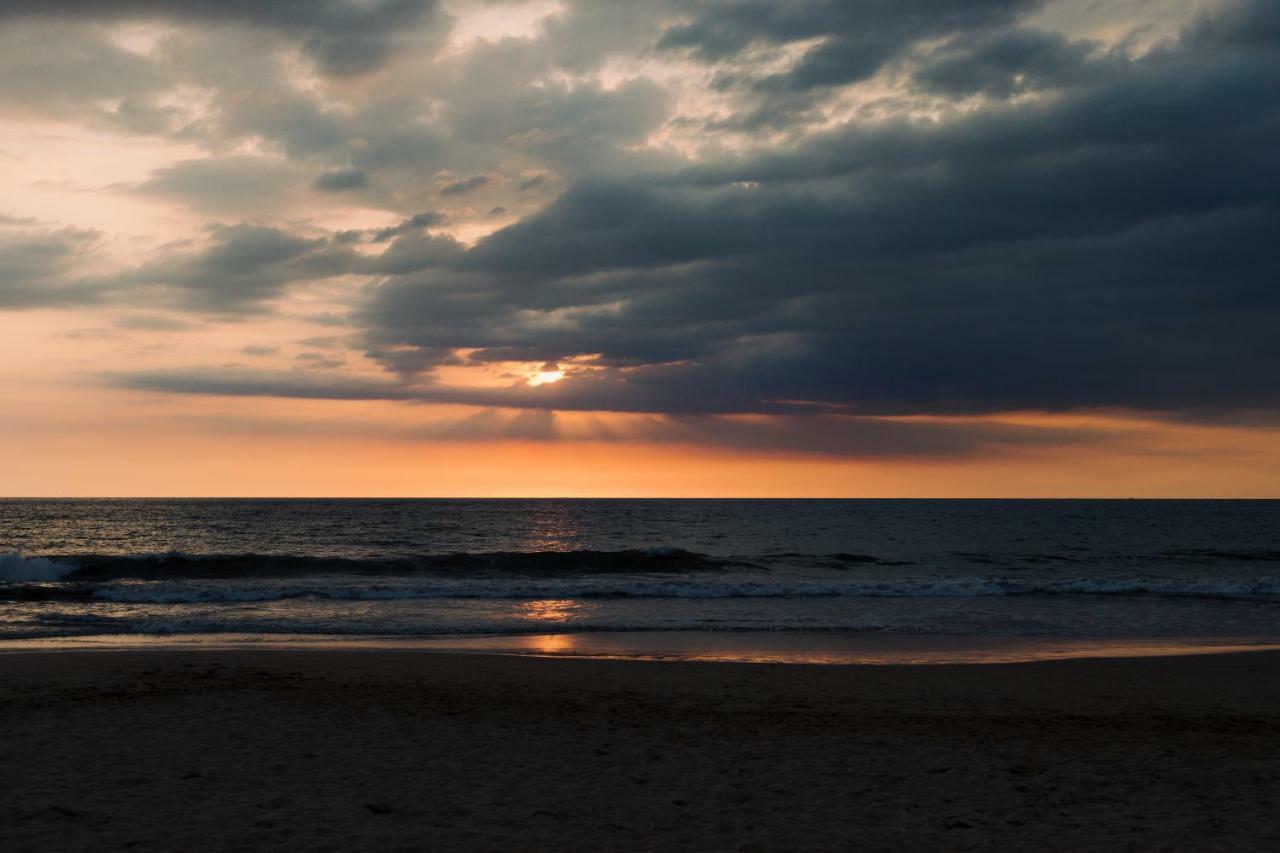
[15, 567]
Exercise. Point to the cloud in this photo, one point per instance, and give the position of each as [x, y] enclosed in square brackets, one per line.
[1007, 62]
[243, 267]
[323, 342]
[854, 38]
[464, 186]
[1106, 247]
[238, 185]
[246, 382]
[59, 71]
[236, 272]
[821, 435]
[38, 265]
[413, 224]
[815, 209]
[341, 180]
[320, 361]
[492, 114]
[153, 323]
[342, 36]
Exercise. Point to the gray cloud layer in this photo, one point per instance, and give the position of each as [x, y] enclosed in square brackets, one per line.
[343, 36]
[1109, 244]
[37, 265]
[1026, 222]
[854, 38]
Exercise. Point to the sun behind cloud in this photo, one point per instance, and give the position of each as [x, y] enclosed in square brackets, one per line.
[548, 373]
[546, 377]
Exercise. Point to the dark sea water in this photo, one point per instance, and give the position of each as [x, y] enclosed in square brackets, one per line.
[450, 567]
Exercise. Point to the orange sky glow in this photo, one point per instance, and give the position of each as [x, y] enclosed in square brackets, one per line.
[225, 268]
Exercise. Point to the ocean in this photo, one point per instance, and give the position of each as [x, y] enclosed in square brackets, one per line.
[430, 568]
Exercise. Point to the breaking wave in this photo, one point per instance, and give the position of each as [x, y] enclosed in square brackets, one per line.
[176, 564]
[15, 567]
[180, 578]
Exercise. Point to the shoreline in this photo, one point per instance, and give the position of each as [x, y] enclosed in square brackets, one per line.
[832, 648]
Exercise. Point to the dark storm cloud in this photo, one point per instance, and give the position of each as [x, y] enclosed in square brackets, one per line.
[343, 36]
[1253, 24]
[840, 42]
[1011, 61]
[1112, 245]
[855, 37]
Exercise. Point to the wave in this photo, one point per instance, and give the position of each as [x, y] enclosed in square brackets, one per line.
[666, 561]
[1216, 555]
[176, 578]
[329, 629]
[176, 564]
[15, 567]
[759, 585]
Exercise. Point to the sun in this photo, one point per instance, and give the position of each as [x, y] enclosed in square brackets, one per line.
[549, 372]
[546, 377]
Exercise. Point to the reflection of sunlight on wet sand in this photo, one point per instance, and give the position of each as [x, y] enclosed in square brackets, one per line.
[735, 647]
[547, 644]
[828, 648]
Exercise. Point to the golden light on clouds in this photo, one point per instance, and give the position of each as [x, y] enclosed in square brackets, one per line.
[560, 247]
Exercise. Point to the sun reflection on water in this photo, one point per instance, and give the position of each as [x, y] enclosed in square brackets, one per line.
[549, 527]
[555, 610]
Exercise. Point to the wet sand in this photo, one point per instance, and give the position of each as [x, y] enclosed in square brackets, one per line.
[400, 750]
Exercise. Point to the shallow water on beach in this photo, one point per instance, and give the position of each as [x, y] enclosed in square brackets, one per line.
[771, 647]
[416, 568]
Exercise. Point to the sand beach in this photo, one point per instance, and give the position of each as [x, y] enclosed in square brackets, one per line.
[328, 750]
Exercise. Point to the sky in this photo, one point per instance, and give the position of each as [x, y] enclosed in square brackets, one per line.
[863, 248]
